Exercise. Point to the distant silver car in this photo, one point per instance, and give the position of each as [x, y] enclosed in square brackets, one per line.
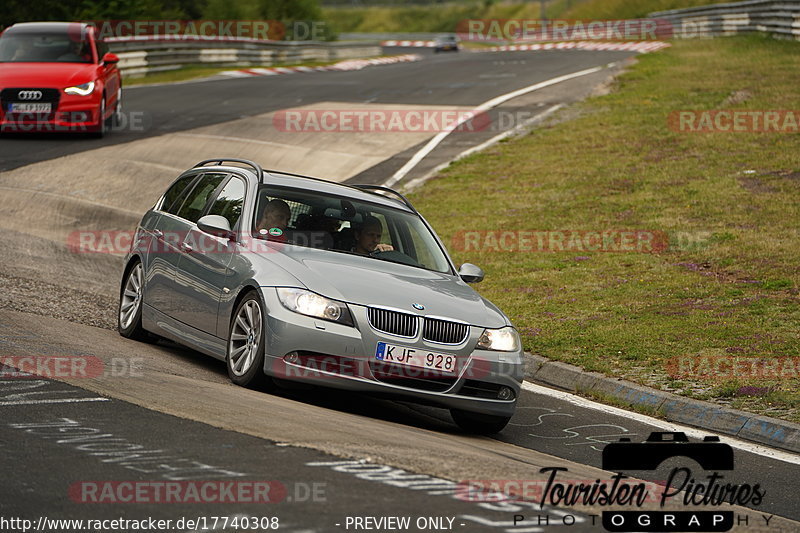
[444, 43]
[288, 277]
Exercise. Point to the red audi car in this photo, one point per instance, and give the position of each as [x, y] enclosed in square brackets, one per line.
[57, 76]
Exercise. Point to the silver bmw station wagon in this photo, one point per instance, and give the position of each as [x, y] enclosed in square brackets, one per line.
[288, 277]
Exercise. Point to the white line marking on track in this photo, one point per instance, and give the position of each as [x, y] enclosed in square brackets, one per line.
[494, 102]
[62, 400]
[665, 425]
[469, 151]
[513, 131]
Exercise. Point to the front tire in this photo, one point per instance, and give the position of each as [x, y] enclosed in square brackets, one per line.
[102, 123]
[116, 118]
[129, 313]
[479, 423]
[246, 339]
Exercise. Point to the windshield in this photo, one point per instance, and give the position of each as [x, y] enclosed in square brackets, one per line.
[51, 47]
[317, 220]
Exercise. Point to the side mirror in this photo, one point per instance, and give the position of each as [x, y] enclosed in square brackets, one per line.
[110, 58]
[470, 273]
[215, 225]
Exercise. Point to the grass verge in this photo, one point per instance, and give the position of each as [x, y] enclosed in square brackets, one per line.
[421, 18]
[185, 73]
[690, 318]
[624, 9]
[446, 16]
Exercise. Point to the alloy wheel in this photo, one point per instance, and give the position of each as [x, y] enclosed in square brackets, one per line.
[245, 338]
[131, 296]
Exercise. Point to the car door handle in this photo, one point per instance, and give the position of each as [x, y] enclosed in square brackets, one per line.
[186, 247]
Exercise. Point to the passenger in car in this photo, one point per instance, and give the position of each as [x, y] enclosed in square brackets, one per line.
[24, 51]
[77, 51]
[368, 237]
[275, 216]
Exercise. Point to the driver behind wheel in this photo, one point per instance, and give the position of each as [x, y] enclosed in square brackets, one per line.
[368, 237]
[76, 52]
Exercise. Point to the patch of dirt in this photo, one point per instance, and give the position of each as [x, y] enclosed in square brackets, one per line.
[786, 174]
[624, 215]
[725, 276]
[684, 307]
[607, 86]
[737, 97]
[622, 185]
[755, 185]
[697, 304]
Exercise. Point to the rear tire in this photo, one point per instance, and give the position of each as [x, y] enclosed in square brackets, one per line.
[479, 423]
[129, 312]
[246, 345]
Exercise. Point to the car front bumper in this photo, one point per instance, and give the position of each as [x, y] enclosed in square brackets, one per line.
[71, 113]
[304, 349]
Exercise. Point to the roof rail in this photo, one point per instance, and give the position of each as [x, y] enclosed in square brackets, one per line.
[353, 185]
[385, 189]
[284, 173]
[219, 161]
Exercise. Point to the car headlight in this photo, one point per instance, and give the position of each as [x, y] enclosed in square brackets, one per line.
[81, 90]
[312, 304]
[500, 340]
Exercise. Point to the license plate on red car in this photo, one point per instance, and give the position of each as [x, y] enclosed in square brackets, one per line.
[24, 107]
[405, 356]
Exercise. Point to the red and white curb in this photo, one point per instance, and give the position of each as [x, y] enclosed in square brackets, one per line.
[635, 46]
[348, 64]
[410, 44]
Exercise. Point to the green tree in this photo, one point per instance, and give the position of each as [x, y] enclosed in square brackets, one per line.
[27, 11]
[73, 10]
[140, 9]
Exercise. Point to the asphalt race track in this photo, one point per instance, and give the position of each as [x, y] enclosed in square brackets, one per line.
[444, 79]
[318, 461]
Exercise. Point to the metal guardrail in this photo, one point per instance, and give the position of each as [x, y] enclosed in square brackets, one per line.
[774, 17]
[144, 55]
[395, 36]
